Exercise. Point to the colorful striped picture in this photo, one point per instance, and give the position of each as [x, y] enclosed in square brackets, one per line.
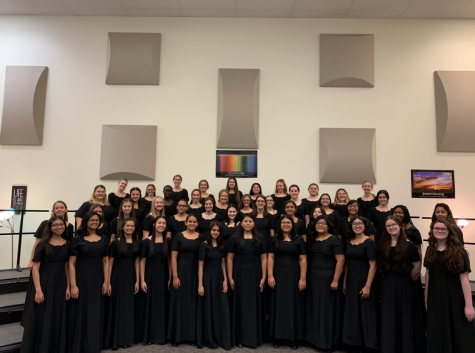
[238, 164]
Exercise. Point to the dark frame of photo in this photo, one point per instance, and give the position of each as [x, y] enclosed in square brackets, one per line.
[435, 184]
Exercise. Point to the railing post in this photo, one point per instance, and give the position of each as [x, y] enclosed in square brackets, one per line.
[20, 235]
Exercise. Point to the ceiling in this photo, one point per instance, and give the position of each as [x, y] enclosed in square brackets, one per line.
[435, 9]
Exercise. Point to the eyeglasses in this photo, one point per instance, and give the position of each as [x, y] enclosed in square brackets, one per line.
[59, 225]
[324, 199]
[357, 224]
[321, 224]
[260, 201]
[392, 226]
[440, 229]
[353, 206]
[286, 223]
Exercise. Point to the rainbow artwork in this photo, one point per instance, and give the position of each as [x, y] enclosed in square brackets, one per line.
[238, 164]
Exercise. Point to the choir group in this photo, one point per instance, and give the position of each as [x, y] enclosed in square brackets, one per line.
[239, 270]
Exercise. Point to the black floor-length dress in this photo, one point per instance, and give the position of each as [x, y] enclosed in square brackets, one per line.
[448, 330]
[174, 226]
[361, 317]
[203, 224]
[45, 324]
[147, 206]
[86, 314]
[170, 210]
[286, 303]
[228, 232]
[155, 309]
[301, 211]
[366, 206]
[222, 212]
[334, 218]
[402, 327]
[264, 226]
[249, 321]
[120, 315]
[115, 201]
[214, 323]
[324, 319]
[184, 301]
[378, 217]
[342, 209]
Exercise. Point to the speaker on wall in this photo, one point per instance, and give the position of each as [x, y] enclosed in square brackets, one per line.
[238, 108]
[347, 155]
[133, 59]
[135, 161]
[24, 105]
[346, 60]
[455, 110]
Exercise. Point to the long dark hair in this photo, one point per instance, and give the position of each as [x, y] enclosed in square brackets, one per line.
[453, 249]
[48, 234]
[120, 219]
[252, 192]
[209, 238]
[190, 215]
[140, 201]
[285, 205]
[164, 238]
[238, 237]
[123, 240]
[367, 227]
[236, 190]
[352, 202]
[227, 219]
[450, 216]
[101, 216]
[325, 194]
[407, 215]
[203, 209]
[82, 230]
[279, 237]
[310, 216]
[402, 261]
[312, 234]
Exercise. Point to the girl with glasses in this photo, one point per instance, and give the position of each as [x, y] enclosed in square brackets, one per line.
[443, 211]
[353, 209]
[150, 193]
[264, 221]
[176, 223]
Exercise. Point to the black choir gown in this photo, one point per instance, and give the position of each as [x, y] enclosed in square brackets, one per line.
[203, 224]
[286, 302]
[264, 226]
[300, 228]
[361, 317]
[67, 234]
[301, 211]
[214, 323]
[115, 202]
[147, 206]
[249, 313]
[174, 226]
[170, 210]
[228, 232]
[137, 232]
[448, 330]
[242, 214]
[184, 301]
[46, 324]
[180, 195]
[334, 218]
[139, 216]
[279, 202]
[275, 218]
[202, 199]
[378, 217]
[342, 228]
[196, 211]
[309, 205]
[232, 199]
[104, 230]
[155, 308]
[402, 328]
[221, 212]
[86, 314]
[107, 212]
[341, 209]
[324, 320]
[366, 206]
[120, 307]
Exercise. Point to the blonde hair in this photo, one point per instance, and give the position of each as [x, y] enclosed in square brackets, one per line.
[65, 213]
[92, 199]
[372, 186]
[283, 182]
[336, 200]
[153, 211]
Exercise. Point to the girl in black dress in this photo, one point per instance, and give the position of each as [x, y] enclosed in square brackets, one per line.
[214, 328]
[168, 203]
[378, 214]
[222, 204]
[341, 200]
[353, 209]
[402, 328]
[116, 198]
[271, 210]
[450, 314]
[178, 192]
[136, 197]
[104, 228]
[289, 210]
[264, 222]
[150, 195]
[89, 278]
[196, 207]
[361, 318]
[230, 224]
[45, 306]
[333, 216]
[280, 195]
[311, 201]
[255, 191]
[157, 210]
[184, 295]
[247, 270]
[294, 192]
[247, 206]
[314, 213]
[368, 200]
[324, 297]
[59, 210]
[209, 214]
[203, 185]
[233, 191]
[287, 273]
[98, 196]
[155, 274]
[126, 211]
[443, 211]
[124, 284]
[176, 223]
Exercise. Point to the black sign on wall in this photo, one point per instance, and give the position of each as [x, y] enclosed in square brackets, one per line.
[19, 197]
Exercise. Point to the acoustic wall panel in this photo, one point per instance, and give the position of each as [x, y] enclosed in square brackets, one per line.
[133, 58]
[238, 108]
[128, 151]
[24, 105]
[346, 60]
[455, 110]
[347, 155]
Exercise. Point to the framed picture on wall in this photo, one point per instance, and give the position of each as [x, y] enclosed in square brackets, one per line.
[237, 164]
[438, 184]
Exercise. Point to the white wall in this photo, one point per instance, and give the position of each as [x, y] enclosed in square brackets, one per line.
[184, 107]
